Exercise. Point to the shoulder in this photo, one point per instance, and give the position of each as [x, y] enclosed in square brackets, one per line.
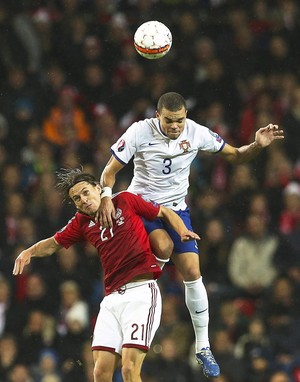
[128, 198]
[141, 131]
[80, 219]
[145, 126]
[195, 129]
[123, 196]
[193, 124]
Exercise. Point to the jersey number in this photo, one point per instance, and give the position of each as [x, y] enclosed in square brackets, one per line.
[167, 162]
[138, 331]
[105, 234]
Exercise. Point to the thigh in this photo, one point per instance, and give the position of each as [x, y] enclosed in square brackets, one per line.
[179, 246]
[161, 244]
[141, 315]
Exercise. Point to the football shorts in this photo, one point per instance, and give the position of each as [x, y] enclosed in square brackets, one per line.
[179, 246]
[128, 317]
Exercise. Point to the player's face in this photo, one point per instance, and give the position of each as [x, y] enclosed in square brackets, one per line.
[172, 122]
[86, 197]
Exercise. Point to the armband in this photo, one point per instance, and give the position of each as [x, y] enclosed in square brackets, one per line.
[106, 191]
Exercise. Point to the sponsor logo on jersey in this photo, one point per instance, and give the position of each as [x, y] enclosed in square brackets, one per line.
[216, 136]
[184, 145]
[152, 144]
[121, 145]
[91, 224]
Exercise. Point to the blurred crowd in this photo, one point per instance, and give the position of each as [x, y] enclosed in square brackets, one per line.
[70, 84]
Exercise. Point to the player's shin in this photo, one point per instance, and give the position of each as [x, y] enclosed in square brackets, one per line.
[197, 304]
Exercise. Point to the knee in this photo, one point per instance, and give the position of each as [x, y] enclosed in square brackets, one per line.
[129, 371]
[188, 266]
[163, 249]
[101, 374]
[190, 273]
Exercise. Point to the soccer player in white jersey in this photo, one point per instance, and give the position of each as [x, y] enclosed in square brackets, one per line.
[130, 311]
[163, 149]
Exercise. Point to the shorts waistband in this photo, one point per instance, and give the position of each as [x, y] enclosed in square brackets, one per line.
[131, 285]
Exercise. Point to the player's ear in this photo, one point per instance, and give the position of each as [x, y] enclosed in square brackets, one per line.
[157, 114]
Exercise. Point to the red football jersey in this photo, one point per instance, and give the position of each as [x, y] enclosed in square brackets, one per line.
[124, 249]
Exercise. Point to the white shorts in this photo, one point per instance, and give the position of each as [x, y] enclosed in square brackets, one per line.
[128, 318]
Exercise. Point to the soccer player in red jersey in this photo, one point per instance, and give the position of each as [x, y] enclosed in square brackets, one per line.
[130, 311]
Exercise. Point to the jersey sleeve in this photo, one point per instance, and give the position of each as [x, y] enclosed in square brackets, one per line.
[69, 234]
[125, 147]
[144, 208]
[209, 140]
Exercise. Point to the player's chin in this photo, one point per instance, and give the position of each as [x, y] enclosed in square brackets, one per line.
[173, 136]
[90, 211]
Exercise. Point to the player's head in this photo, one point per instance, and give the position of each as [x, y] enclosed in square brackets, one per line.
[171, 112]
[80, 187]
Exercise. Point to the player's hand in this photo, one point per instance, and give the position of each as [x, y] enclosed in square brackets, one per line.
[266, 135]
[106, 213]
[23, 259]
[189, 236]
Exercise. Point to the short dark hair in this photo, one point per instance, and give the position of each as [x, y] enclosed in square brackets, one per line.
[68, 177]
[171, 101]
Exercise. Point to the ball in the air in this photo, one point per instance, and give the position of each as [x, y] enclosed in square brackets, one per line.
[153, 40]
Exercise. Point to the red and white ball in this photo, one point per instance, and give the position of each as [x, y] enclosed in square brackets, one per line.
[153, 40]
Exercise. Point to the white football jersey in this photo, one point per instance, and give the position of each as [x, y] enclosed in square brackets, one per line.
[162, 165]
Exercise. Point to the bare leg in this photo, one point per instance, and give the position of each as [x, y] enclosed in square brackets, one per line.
[132, 360]
[105, 365]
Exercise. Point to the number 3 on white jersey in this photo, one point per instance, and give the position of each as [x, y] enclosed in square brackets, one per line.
[167, 163]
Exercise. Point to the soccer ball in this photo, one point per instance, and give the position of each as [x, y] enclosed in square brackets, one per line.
[152, 40]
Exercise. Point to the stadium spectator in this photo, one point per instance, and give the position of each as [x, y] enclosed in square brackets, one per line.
[66, 123]
[290, 215]
[251, 259]
[9, 352]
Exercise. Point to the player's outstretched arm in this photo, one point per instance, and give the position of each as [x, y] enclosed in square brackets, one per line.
[40, 249]
[263, 138]
[177, 224]
[106, 212]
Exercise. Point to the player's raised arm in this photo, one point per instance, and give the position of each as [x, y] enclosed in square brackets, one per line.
[106, 211]
[170, 217]
[40, 249]
[263, 138]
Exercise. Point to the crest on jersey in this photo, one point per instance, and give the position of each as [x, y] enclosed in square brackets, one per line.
[119, 218]
[216, 136]
[184, 145]
[121, 145]
[118, 213]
